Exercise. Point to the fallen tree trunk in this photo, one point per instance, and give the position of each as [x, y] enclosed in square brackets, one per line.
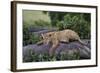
[69, 48]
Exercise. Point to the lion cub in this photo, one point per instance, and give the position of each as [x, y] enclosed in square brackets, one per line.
[58, 36]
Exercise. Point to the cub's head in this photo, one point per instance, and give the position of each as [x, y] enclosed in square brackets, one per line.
[46, 37]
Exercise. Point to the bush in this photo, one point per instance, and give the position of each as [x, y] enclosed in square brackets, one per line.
[42, 23]
[79, 22]
[45, 57]
[29, 37]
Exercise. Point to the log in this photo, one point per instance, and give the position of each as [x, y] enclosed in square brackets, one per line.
[70, 48]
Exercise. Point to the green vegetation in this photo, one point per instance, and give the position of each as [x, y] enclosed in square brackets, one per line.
[29, 37]
[29, 16]
[45, 57]
[41, 23]
[79, 22]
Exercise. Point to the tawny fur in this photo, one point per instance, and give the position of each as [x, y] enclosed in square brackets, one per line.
[59, 36]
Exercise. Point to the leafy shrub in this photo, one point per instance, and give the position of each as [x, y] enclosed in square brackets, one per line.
[42, 23]
[45, 57]
[34, 38]
[26, 34]
[29, 37]
[79, 22]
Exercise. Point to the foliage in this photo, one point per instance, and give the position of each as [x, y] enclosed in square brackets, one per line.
[26, 34]
[45, 57]
[42, 23]
[79, 22]
[29, 37]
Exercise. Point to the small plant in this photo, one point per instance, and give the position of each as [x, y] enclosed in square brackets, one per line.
[45, 57]
[34, 38]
